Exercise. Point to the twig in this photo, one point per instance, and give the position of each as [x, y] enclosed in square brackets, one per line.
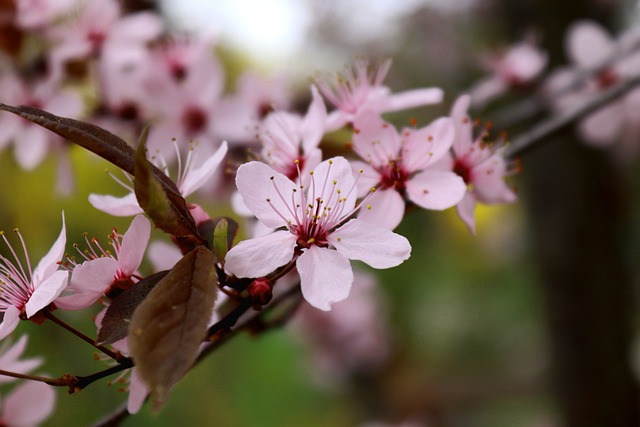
[526, 141]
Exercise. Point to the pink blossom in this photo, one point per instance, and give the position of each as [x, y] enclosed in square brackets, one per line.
[516, 67]
[190, 178]
[29, 404]
[9, 359]
[319, 234]
[399, 167]
[104, 272]
[39, 14]
[481, 166]
[290, 142]
[360, 88]
[590, 47]
[24, 291]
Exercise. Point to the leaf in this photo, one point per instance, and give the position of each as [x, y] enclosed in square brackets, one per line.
[94, 138]
[168, 327]
[116, 320]
[167, 209]
[220, 233]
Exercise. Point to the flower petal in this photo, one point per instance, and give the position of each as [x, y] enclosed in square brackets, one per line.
[199, 176]
[331, 179]
[47, 292]
[137, 392]
[29, 404]
[588, 43]
[134, 243]
[313, 125]
[49, 263]
[89, 281]
[9, 321]
[375, 246]
[436, 189]
[266, 193]
[375, 140]
[412, 98]
[467, 211]
[325, 276]
[425, 146]
[262, 255]
[385, 209]
[116, 206]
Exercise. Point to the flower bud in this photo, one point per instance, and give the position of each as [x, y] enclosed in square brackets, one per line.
[260, 291]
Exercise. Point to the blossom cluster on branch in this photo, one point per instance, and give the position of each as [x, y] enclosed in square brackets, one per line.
[302, 215]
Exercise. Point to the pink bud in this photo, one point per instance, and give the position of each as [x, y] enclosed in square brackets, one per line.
[260, 291]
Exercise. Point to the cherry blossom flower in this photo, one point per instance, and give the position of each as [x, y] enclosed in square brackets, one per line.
[39, 14]
[516, 67]
[190, 179]
[479, 164]
[590, 47]
[105, 272]
[319, 234]
[9, 359]
[29, 404]
[399, 166]
[290, 142]
[24, 291]
[360, 88]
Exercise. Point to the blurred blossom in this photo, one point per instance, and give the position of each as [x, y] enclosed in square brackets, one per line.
[9, 359]
[29, 404]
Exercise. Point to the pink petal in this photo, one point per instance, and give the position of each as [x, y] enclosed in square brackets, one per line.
[367, 177]
[29, 404]
[464, 130]
[9, 360]
[136, 28]
[588, 44]
[313, 125]
[427, 145]
[375, 246]
[604, 126]
[134, 243]
[488, 182]
[163, 255]
[31, 146]
[375, 140]
[325, 276]
[336, 170]
[412, 98]
[137, 392]
[255, 185]
[336, 120]
[49, 263]
[261, 256]
[436, 189]
[387, 209]
[116, 206]
[9, 321]
[199, 176]
[89, 281]
[47, 292]
[467, 211]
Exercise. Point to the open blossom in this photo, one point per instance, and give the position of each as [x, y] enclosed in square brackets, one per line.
[106, 272]
[29, 404]
[515, 67]
[24, 292]
[290, 142]
[480, 164]
[360, 88]
[10, 359]
[190, 178]
[399, 166]
[318, 234]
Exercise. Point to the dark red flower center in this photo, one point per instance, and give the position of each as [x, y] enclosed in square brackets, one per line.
[462, 169]
[394, 176]
[194, 120]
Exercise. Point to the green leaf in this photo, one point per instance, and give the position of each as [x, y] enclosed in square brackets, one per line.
[117, 318]
[220, 233]
[167, 209]
[169, 326]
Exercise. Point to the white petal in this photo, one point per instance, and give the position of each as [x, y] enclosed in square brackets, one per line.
[116, 206]
[467, 211]
[49, 263]
[436, 189]
[313, 125]
[336, 170]
[427, 145]
[199, 176]
[413, 98]
[47, 292]
[588, 43]
[134, 243]
[376, 246]
[29, 404]
[325, 277]
[375, 140]
[137, 392]
[163, 255]
[256, 186]
[9, 321]
[260, 256]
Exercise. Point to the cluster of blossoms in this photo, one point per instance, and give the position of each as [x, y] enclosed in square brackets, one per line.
[316, 213]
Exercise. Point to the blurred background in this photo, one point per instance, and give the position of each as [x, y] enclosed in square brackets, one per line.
[532, 322]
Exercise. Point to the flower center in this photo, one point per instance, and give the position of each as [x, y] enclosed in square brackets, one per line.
[394, 176]
[194, 120]
[606, 78]
[463, 170]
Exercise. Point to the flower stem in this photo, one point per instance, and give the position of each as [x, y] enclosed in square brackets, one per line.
[49, 315]
[66, 380]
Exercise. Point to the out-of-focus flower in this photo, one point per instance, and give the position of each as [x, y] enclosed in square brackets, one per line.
[319, 235]
[25, 292]
[398, 166]
[29, 404]
[40, 14]
[479, 163]
[104, 272]
[10, 359]
[516, 67]
[360, 88]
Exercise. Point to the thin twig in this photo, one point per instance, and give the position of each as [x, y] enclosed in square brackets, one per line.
[527, 140]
